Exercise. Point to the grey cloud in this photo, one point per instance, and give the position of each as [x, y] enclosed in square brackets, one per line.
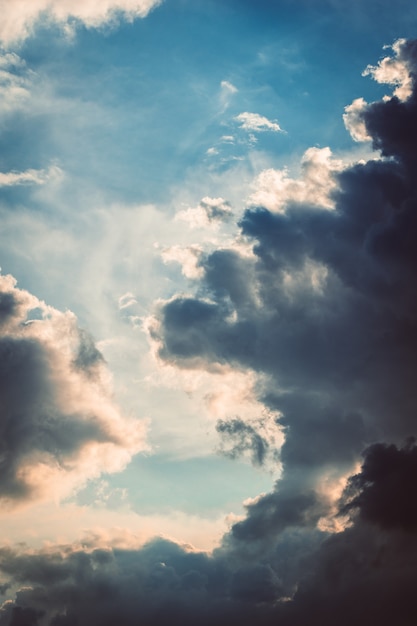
[329, 318]
[383, 491]
[56, 405]
[239, 437]
[325, 310]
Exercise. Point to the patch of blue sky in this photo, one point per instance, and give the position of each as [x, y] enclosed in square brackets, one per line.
[206, 486]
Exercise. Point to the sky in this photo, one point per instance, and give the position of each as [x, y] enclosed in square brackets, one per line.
[208, 329]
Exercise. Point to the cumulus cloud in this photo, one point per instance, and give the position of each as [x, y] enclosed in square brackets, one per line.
[324, 311]
[240, 437]
[59, 424]
[397, 70]
[14, 82]
[257, 123]
[19, 17]
[353, 120]
[188, 258]
[275, 189]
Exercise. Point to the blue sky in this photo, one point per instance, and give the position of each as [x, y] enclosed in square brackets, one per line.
[185, 324]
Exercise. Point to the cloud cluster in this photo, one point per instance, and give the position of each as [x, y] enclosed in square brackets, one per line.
[59, 425]
[323, 309]
[19, 17]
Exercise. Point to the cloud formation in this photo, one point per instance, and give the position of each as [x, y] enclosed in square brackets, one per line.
[257, 123]
[59, 425]
[20, 17]
[323, 309]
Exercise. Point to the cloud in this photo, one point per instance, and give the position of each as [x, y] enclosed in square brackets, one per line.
[398, 70]
[59, 424]
[324, 312]
[240, 437]
[209, 212]
[29, 177]
[14, 82]
[383, 490]
[353, 120]
[257, 123]
[188, 258]
[19, 18]
[275, 190]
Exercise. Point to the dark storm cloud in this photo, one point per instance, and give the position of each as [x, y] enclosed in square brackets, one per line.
[326, 308]
[326, 305]
[55, 407]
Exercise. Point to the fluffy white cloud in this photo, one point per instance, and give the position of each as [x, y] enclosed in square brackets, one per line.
[353, 120]
[394, 70]
[274, 189]
[257, 123]
[20, 16]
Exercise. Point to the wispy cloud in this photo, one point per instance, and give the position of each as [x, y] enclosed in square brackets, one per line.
[257, 123]
[29, 177]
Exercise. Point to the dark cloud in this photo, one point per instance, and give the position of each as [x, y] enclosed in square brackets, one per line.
[325, 310]
[239, 437]
[56, 409]
[383, 490]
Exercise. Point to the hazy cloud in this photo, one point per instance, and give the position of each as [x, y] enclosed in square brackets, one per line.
[209, 212]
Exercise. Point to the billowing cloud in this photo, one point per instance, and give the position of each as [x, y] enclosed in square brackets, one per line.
[19, 17]
[397, 70]
[59, 425]
[275, 189]
[323, 311]
[354, 123]
[257, 123]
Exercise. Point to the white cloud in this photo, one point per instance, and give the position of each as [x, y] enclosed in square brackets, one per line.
[257, 123]
[18, 17]
[14, 82]
[394, 71]
[274, 189]
[228, 87]
[29, 177]
[187, 257]
[353, 121]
